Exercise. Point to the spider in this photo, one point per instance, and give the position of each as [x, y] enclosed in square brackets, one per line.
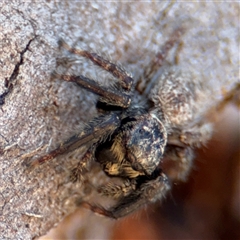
[133, 138]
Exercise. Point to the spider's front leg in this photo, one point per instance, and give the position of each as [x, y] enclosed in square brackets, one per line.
[117, 191]
[146, 190]
[82, 167]
[179, 152]
[177, 162]
[97, 130]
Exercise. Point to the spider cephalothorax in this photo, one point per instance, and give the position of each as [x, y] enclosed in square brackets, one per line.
[131, 140]
[136, 147]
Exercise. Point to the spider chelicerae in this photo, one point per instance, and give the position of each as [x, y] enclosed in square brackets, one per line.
[132, 139]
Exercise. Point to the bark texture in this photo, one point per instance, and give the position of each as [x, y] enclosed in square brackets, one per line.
[38, 112]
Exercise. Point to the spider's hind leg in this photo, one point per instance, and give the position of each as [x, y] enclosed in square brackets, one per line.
[145, 80]
[125, 78]
[108, 95]
[117, 95]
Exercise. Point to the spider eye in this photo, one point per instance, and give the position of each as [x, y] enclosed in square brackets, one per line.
[143, 133]
[145, 144]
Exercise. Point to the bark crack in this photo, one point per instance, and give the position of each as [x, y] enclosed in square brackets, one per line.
[9, 81]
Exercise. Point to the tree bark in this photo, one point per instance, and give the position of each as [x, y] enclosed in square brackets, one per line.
[38, 112]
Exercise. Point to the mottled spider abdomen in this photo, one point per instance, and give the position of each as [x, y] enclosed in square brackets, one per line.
[176, 96]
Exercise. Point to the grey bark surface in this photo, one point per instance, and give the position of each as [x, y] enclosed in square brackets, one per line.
[37, 112]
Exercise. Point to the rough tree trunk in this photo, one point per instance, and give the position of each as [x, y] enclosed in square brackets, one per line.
[37, 112]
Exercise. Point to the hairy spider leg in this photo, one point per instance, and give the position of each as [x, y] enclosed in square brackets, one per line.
[148, 192]
[158, 61]
[82, 167]
[125, 78]
[108, 95]
[97, 130]
[117, 191]
[178, 162]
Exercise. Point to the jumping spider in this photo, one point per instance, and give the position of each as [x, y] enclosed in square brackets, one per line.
[132, 138]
